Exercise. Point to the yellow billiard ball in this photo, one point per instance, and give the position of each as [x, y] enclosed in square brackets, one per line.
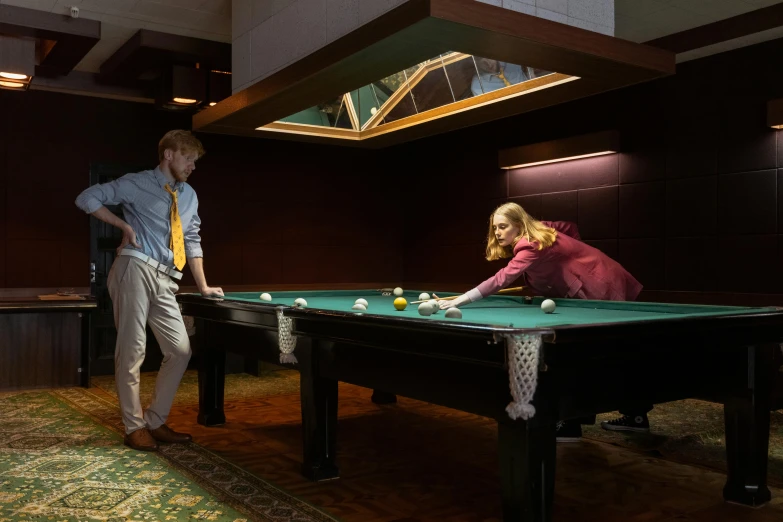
[400, 303]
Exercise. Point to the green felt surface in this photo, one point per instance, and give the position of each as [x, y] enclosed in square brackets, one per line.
[498, 310]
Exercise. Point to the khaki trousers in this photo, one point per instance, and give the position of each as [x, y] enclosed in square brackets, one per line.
[140, 295]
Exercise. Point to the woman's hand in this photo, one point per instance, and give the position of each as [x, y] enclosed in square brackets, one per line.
[461, 300]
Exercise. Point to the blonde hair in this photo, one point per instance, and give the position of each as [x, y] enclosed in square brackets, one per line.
[180, 140]
[530, 228]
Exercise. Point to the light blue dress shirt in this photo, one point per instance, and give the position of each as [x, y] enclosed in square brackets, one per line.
[147, 207]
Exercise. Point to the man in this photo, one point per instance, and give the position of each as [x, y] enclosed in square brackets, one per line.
[161, 232]
[492, 75]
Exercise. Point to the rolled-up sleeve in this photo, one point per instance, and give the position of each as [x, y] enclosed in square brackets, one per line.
[193, 239]
[113, 193]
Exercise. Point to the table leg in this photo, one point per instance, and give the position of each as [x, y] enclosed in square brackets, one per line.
[527, 470]
[746, 415]
[319, 412]
[211, 375]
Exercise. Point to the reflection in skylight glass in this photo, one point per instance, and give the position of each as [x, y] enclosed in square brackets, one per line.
[442, 80]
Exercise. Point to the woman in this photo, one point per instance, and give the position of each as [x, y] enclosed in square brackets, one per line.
[555, 263]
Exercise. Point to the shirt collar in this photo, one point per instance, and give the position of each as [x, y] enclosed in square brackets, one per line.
[162, 181]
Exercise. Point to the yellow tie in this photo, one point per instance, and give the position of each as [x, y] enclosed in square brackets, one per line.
[177, 243]
[503, 77]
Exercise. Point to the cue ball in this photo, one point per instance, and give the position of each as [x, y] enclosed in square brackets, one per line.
[424, 296]
[300, 302]
[454, 313]
[266, 297]
[359, 306]
[548, 306]
[400, 303]
[435, 306]
[362, 302]
[425, 309]
[398, 291]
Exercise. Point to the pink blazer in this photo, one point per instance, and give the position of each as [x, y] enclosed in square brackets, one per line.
[569, 268]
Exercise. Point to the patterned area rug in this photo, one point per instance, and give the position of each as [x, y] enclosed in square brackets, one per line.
[62, 458]
[691, 432]
[238, 386]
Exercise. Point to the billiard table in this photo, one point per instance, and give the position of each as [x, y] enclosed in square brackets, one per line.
[508, 360]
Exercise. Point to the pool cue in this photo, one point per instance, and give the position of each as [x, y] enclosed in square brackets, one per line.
[504, 291]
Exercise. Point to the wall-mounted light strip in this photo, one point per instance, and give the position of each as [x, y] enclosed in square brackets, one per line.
[576, 147]
[775, 113]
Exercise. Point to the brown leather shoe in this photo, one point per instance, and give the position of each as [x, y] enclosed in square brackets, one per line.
[141, 440]
[166, 434]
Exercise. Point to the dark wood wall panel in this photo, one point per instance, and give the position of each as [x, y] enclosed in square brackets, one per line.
[694, 187]
[284, 212]
[645, 258]
[55, 138]
[692, 206]
[747, 202]
[598, 213]
[272, 211]
[747, 263]
[560, 206]
[642, 208]
[691, 263]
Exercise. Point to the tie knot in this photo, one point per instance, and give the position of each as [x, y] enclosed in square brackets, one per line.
[170, 191]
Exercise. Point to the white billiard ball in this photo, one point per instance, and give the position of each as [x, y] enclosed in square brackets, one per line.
[359, 306]
[435, 306]
[300, 302]
[454, 313]
[424, 296]
[362, 302]
[548, 306]
[266, 297]
[425, 309]
[398, 292]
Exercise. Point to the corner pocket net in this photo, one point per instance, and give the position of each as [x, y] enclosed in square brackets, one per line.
[285, 339]
[523, 352]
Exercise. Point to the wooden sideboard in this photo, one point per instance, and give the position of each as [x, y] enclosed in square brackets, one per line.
[44, 344]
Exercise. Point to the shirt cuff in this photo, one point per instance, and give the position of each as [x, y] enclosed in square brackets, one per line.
[89, 204]
[474, 295]
[193, 251]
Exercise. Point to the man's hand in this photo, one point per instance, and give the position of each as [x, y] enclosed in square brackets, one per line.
[211, 291]
[128, 238]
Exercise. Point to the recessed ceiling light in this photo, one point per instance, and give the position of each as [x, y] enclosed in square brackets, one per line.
[13, 76]
[12, 85]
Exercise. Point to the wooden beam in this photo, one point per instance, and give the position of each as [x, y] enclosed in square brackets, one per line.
[17, 55]
[735, 27]
[474, 111]
[418, 30]
[493, 32]
[150, 50]
[384, 46]
[74, 37]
